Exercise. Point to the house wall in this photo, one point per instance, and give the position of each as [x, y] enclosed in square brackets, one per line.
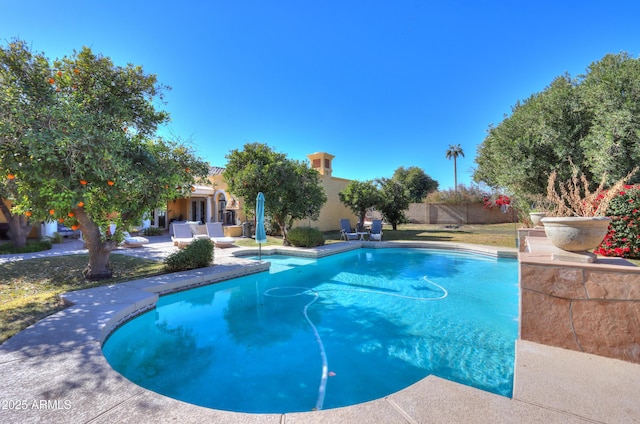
[333, 210]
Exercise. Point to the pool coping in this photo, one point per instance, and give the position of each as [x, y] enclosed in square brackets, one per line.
[55, 370]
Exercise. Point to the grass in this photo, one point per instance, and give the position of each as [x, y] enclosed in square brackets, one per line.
[29, 290]
[497, 235]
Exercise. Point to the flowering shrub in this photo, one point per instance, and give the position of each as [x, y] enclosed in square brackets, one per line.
[623, 238]
[501, 200]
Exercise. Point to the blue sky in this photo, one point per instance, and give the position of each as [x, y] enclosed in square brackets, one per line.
[378, 84]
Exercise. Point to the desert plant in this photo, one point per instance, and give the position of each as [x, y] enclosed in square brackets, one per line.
[574, 198]
[198, 254]
[305, 237]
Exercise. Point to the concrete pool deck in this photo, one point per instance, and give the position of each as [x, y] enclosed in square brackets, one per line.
[54, 371]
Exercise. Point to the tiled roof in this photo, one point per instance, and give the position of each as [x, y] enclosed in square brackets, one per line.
[215, 170]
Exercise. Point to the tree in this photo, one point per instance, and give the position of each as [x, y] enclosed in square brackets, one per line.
[453, 152]
[543, 133]
[20, 72]
[591, 123]
[80, 147]
[393, 201]
[291, 189]
[417, 182]
[360, 196]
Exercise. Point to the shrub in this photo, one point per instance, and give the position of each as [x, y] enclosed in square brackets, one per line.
[198, 254]
[305, 237]
[32, 246]
[153, 231]
[623, 238]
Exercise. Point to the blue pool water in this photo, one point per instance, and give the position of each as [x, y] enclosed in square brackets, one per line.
[318, 334]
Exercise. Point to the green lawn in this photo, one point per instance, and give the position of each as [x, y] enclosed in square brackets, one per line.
[29, 289]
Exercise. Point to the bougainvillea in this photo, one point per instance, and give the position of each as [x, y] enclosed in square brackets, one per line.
[501, 200]
[623, 238]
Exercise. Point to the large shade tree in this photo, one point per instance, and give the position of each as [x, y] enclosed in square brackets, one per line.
[416, 181]
[292, 190]
[590, 123]
[78, 145]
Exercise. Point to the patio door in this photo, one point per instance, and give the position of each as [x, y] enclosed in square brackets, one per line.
[198, 210]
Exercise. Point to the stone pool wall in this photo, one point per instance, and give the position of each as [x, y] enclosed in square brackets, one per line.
[587, 307]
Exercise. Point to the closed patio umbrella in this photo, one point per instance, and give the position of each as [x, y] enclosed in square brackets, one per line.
[261, 236]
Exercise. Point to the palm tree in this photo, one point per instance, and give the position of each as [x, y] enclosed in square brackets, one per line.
[453, 152]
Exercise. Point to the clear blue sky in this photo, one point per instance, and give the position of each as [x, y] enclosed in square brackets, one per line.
[379, 84]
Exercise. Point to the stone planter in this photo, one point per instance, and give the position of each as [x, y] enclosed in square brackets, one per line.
[576, 233]
[536, 218]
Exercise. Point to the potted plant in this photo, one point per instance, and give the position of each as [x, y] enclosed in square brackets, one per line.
[579, 223]
[536, 217]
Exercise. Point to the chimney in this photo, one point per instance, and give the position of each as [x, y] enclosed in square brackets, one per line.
[321, 162]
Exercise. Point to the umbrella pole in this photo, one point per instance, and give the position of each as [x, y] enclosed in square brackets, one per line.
[260, 251]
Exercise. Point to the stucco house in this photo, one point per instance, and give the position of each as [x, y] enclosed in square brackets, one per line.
[214, 203]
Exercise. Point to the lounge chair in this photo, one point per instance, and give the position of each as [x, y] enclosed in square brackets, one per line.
[345, 230]
[182, 235]
[216, 234]
[131, 241]
[376, 230]
[199, 231]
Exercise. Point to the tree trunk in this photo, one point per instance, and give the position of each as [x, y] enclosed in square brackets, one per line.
[285, 239]
[361, 216]
[99, 250]
[455, 175]
[283, 227]
[19, 226]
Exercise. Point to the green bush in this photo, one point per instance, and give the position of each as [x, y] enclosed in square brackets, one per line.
[153, 231]
[32, 246]
[305, 237]
[198, 254]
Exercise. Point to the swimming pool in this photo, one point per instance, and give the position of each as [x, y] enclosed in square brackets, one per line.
[319, 334]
